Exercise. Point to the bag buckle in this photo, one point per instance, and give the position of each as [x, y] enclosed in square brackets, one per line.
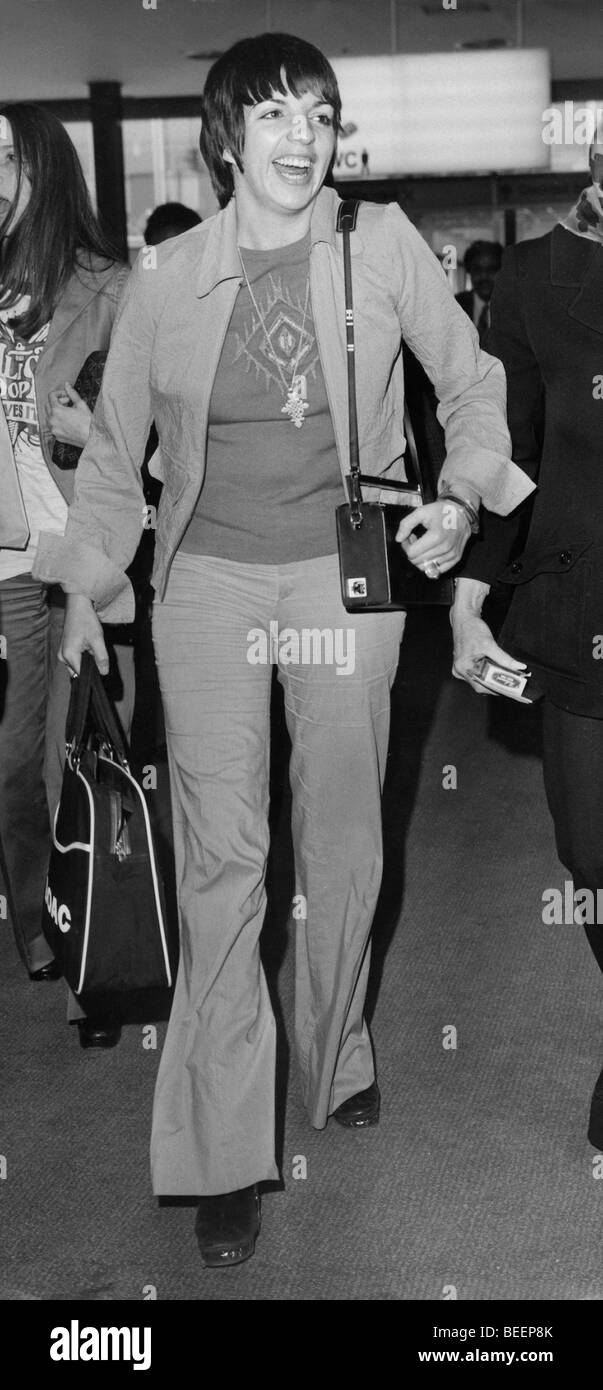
[73, 758]
[355, 496]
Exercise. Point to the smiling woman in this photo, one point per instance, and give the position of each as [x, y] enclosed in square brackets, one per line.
[286, 78]
[289, 148]
[236, 345]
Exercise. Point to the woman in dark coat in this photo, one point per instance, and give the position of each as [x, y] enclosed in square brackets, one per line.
[547, 329]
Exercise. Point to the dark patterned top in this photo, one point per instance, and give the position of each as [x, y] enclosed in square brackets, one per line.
[270, 488]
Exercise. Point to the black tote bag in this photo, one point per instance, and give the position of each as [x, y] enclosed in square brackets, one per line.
[103, 913]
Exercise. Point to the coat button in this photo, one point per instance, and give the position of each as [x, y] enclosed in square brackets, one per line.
[516, 567]
[566, 557]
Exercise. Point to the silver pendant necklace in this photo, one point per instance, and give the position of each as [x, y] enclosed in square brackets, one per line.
[295, 405]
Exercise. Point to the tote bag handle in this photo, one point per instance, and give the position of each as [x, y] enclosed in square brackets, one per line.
[90, 706]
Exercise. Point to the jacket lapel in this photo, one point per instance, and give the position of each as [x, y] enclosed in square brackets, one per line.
[220, 254]
[79, 291]
[578, 261]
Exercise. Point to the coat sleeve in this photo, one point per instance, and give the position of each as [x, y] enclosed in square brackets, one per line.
[469, 383]
[508, 339]
[106, 516]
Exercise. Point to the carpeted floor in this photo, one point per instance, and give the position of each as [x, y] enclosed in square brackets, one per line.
[479, 1179]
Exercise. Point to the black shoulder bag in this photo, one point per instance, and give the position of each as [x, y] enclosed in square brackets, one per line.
[375, 571]
[87, 384]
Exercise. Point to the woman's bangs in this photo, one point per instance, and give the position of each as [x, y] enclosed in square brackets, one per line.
[296, 79]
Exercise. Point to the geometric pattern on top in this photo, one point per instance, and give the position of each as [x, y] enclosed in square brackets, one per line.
[283, 315]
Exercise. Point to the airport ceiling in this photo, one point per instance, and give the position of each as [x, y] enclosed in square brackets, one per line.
[51, 49]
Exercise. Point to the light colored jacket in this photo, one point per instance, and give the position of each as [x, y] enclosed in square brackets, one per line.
[81, 324]
[164, 355]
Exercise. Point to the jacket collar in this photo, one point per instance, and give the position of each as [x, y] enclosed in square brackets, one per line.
[576, 261]
[570, 256]
[220, 255]
[82, 286]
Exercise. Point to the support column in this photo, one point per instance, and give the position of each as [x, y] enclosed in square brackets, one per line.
[106, 117]
[510, 226]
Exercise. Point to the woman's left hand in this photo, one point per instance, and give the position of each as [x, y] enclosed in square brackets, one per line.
[447, 531]
[68, 417]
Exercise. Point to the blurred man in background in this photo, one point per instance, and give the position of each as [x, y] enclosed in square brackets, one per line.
[482, 263]
[168, 220]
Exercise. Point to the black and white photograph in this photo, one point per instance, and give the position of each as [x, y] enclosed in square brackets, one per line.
[301, 668]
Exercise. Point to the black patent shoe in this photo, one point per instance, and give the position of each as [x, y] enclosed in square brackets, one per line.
[227, 1227]
[360, 1110]
[595, 1124]
[51, 971]
[101, 1031]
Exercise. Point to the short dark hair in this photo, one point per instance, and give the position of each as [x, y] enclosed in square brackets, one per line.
[477, 248]
[249, 72]
[168, 216]
[58, 230]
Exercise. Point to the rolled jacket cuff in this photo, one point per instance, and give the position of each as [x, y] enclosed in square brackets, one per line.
[499, 489]
[82, 569]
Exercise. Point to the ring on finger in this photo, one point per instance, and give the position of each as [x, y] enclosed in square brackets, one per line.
[432, 569]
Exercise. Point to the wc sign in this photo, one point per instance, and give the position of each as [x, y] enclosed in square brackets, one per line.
[349, 159]
[442, 113]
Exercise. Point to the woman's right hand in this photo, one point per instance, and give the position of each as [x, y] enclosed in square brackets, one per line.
[83, 632]
[68, 417]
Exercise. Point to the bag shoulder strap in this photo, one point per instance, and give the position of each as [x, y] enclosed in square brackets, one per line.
[347, 216]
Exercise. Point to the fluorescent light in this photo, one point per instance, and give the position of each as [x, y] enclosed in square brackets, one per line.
[442, 113]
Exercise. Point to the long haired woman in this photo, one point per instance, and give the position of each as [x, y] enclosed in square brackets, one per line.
[60, 282]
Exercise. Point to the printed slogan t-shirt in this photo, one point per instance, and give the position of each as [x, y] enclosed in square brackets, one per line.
[270, 489]
[45, 507]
